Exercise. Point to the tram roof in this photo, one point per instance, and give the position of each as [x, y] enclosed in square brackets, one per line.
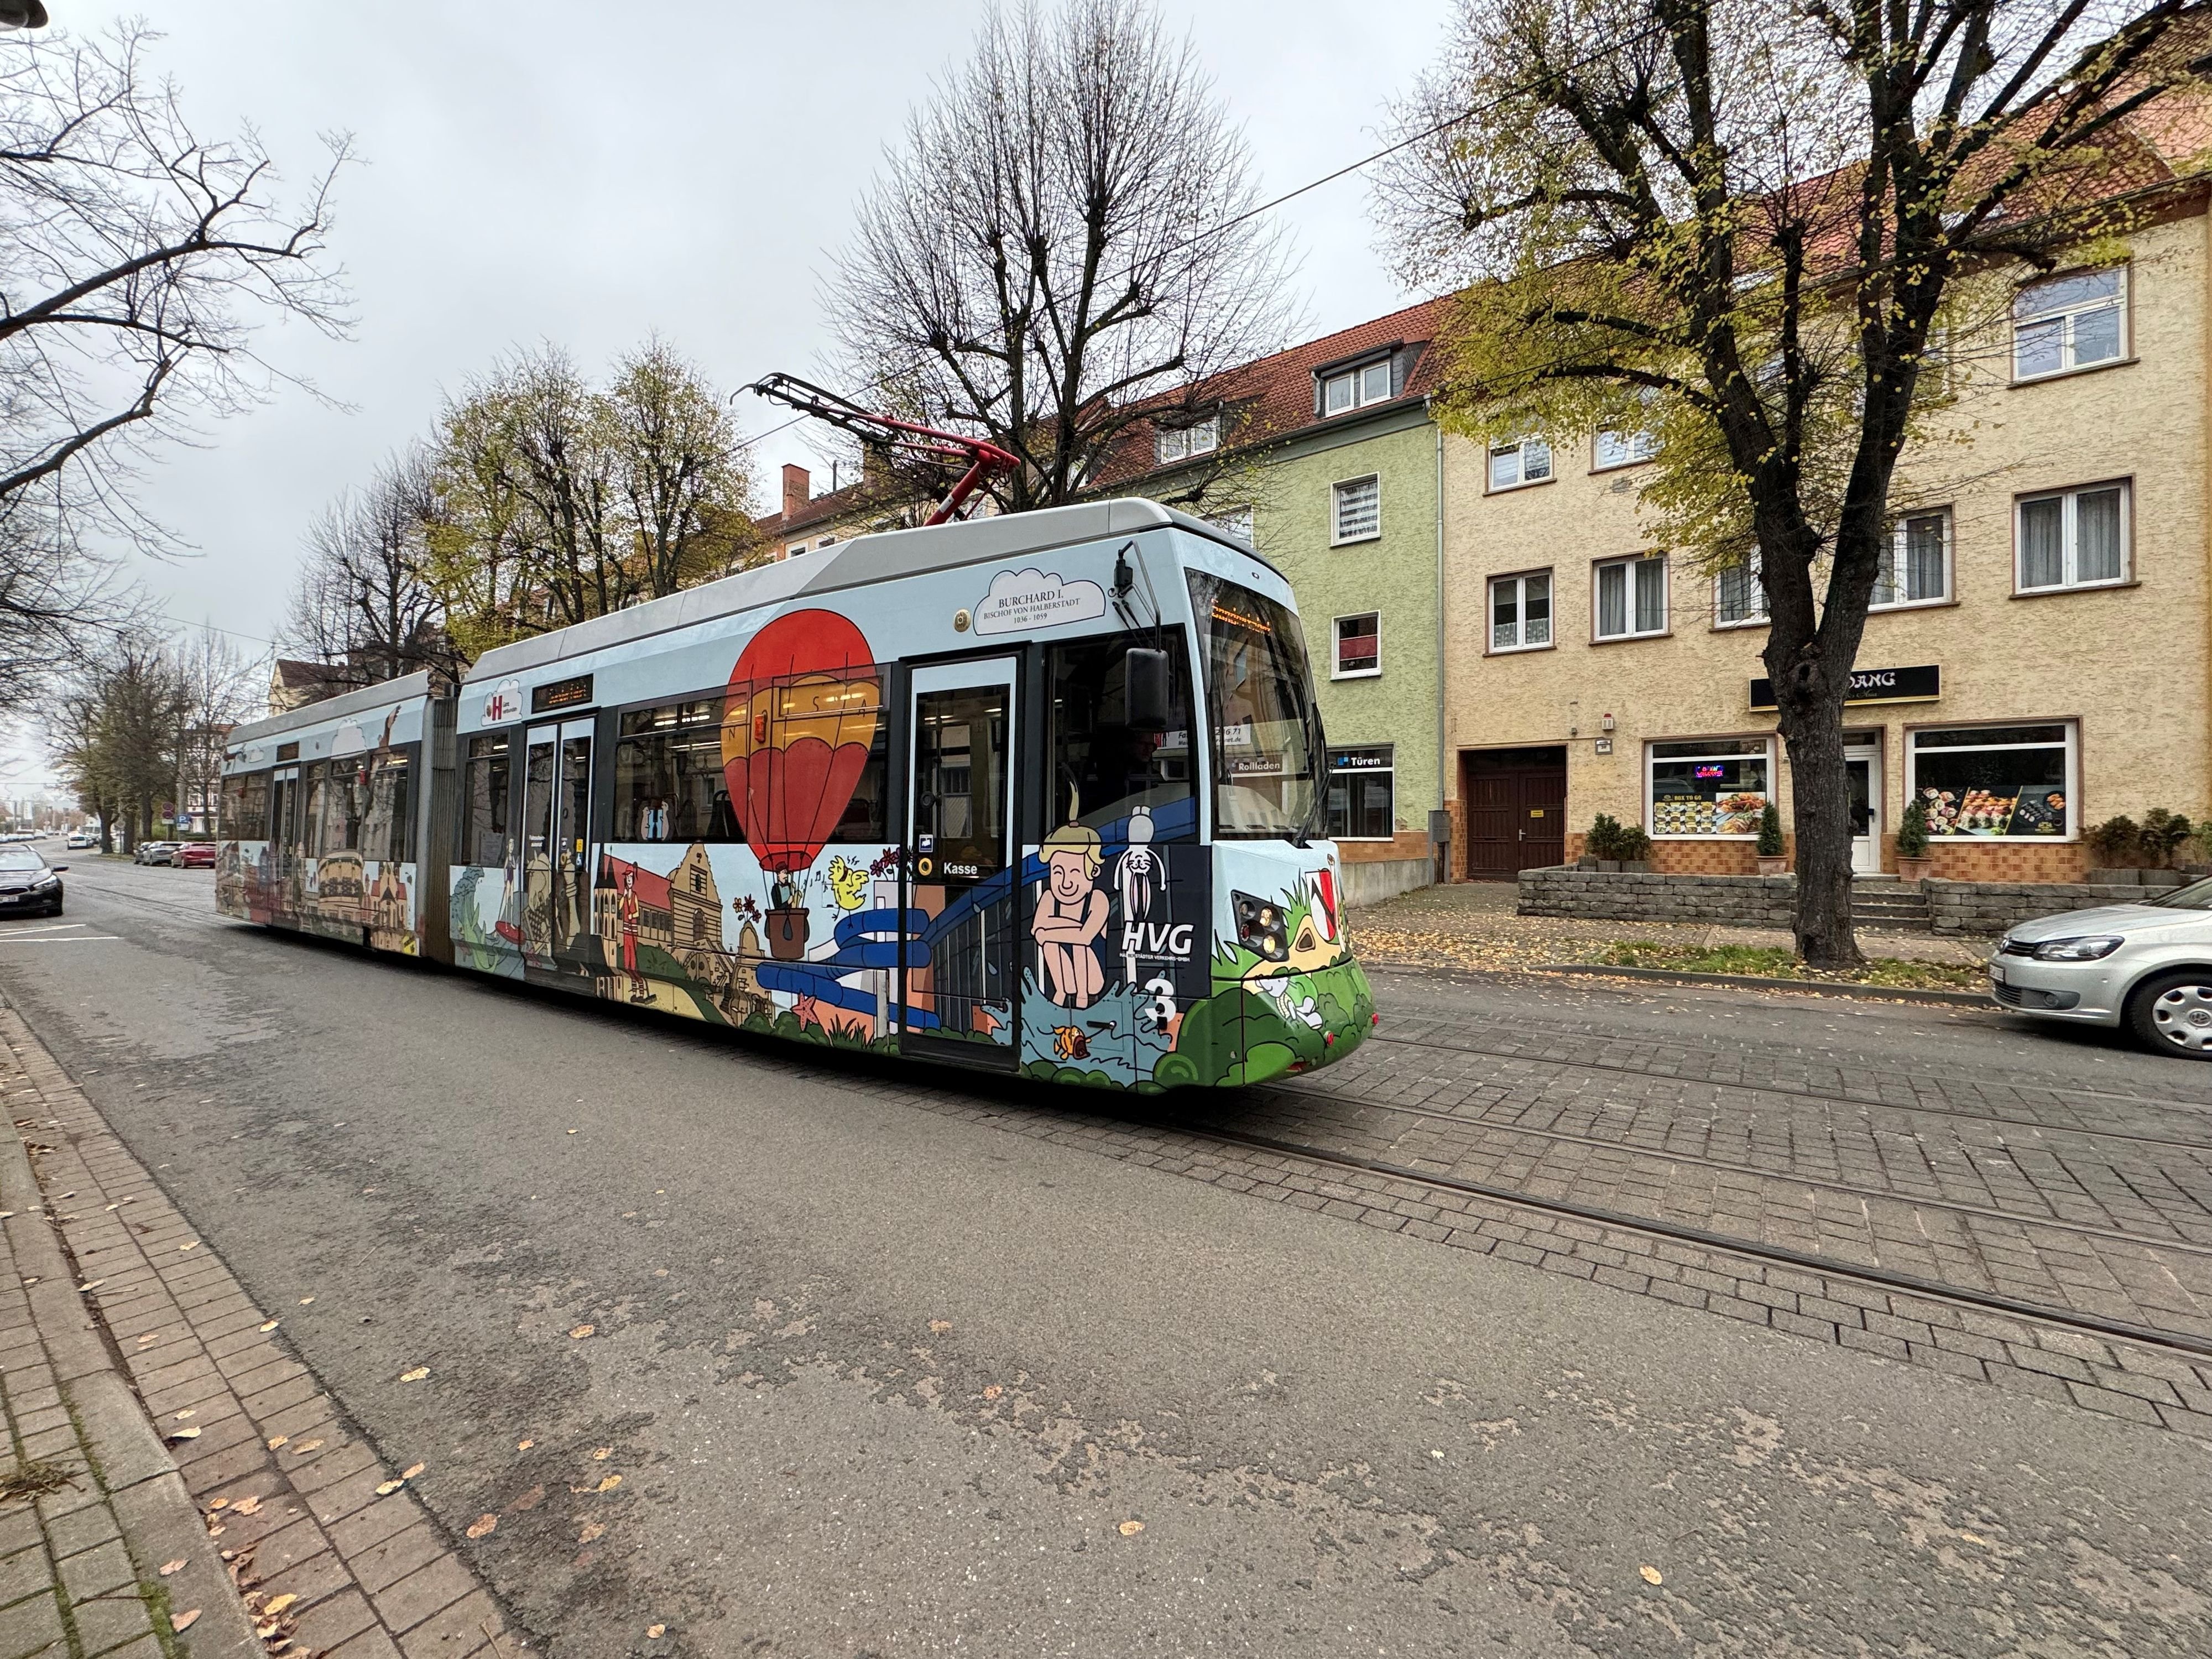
[883, 556]
[381, 695]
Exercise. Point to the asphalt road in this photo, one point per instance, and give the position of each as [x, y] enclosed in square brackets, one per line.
[885, 1381]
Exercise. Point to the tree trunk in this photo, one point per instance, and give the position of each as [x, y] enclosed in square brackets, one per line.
[1812, 726]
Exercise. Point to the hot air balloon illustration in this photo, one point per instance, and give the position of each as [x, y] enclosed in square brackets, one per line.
[802, 708]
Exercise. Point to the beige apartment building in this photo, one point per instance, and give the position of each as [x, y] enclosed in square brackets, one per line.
[2038, 661]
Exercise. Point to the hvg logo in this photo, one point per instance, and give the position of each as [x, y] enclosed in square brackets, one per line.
[504, 704]
[1157, 939]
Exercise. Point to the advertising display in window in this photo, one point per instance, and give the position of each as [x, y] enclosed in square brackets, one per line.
[1359, 803]
[2010, 782]
[1713, 786]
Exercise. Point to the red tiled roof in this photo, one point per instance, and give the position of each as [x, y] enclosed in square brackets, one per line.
[651, 890]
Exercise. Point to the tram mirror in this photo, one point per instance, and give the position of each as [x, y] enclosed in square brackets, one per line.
[1144, 687]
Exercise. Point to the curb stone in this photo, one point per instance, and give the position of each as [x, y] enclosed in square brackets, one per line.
[1753, 982]
[159, 1519]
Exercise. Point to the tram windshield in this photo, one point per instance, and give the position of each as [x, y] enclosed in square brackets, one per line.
[1260, 705]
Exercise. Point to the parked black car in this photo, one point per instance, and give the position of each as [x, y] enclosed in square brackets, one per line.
[28, 884]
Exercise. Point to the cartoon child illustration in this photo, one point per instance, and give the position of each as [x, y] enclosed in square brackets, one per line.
[1071, 915]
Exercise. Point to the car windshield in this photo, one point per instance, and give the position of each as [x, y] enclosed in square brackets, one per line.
[1259, 706]
[2197, 896]
[19, 858]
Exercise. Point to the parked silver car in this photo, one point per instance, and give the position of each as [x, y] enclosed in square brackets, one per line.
[2147, 966]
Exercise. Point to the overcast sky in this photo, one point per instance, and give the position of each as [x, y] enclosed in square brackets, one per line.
[586, 174]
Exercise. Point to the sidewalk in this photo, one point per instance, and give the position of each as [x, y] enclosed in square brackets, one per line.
[1472, 924]
[265, 1483]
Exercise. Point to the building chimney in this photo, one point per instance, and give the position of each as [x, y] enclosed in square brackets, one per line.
[797, 489]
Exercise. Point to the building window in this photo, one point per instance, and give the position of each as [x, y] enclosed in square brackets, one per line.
[2074, 538]
[1171, 444]
[827, 541]
[1361, 803]
[1738, 599]
[1709, 787]
[1356, 388]
[1520, 611]
[1359, 647]
[1612, 449]
[1511, 466]
[1358, 510]
[2070, 322]
[1916, 566]
[1238, 521]
[1631, 598]
[1982, 782]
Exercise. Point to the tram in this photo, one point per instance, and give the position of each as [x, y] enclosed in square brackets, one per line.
[1031, 793]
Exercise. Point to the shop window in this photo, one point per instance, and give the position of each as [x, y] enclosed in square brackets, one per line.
[1357, 515]
[1526, 462]
[487, 792]
[2074, 321]
[1106, 765]
[1171, 444]
[669, 783]
[1631, 598]
[1359, 647]
[1356, 388]
[1520, 611]
[2012, 783]
[1361, 803]
[2074, 539]
[1916, 566]
[1614, 449]
[1739, 598]
[1707, 787]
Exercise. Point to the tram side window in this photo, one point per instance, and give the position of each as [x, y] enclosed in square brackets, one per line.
[1098, 757]
[345, 793]
[245, 806]
[867, 816]
[668, 776]
[317, 779]
[489, 787]
[387, 829]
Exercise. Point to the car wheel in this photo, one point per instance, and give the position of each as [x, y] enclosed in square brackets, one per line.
[2172, 1014]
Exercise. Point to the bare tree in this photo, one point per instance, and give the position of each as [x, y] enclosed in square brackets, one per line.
[367, 599]
[57, 600]
[218, 686]
[115, 740]
[1740, 224]
[1058, 239]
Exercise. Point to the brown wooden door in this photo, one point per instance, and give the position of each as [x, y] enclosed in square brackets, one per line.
[1517, 809]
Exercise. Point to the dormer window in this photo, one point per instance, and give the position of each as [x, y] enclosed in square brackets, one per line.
[1343, 390]
[1171, 444]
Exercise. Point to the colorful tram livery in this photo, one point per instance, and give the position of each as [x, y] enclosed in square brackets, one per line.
[1032, 793]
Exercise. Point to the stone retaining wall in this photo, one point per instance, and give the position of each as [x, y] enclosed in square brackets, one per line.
[1988, 908]
[1625, 895]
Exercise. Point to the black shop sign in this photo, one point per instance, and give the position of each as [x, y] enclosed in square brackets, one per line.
[1921, 685]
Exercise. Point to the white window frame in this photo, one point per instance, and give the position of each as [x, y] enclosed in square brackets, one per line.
[1337, 671]
[1328, 771]
[1336, 500]
[1637, 446]
[1651, 758]
[2072, 785]
[2070, 536]
[1172, 445]
[1597, 580]
[1520, 450]
[1519, 583]
[1895, 559]
[2066, 317]
[1238, 521]
[1359, 388]
[1754, 617]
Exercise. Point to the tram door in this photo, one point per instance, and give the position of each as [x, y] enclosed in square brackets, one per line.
[557, 831]
[963, 967]
[284, 833]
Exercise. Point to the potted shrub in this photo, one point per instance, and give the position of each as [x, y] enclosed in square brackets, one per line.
[2114, 847]
[1771, 861]
[1913, 843]
[2162, 835]
[1635, 847]
[1602, 847]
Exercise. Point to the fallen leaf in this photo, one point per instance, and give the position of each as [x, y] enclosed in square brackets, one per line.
[385, 1488]
[412, 1470]
[182, 1415]
[529, 1500]
[270, 1326]
[276, 1604]
[609, 1483]
[600, 1453]
[938, 1327]
[656, 1631]
[280, 1440]
[1131, 1529]
[304, 1447]
[249, 1505]
[305, 1300]
[414, 1376]
[524, 1445]
[583, 1331]
[483, 1525]
[592, 1529]
[183, 1434]
[93, 1285]
[181, 1622]
[219, 1504]
[194, 1245]
[150, 1336]
[1651, 1575]
[993, 1392]
[168, 1567]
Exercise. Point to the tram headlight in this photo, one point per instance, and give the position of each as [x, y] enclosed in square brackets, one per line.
[1260, 927]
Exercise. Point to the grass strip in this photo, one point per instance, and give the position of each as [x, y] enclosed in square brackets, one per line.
[1775, 962]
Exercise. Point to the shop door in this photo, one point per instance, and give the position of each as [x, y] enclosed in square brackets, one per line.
[1517, 809]
[961, 970]
[556, 829]
[1862, 792]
